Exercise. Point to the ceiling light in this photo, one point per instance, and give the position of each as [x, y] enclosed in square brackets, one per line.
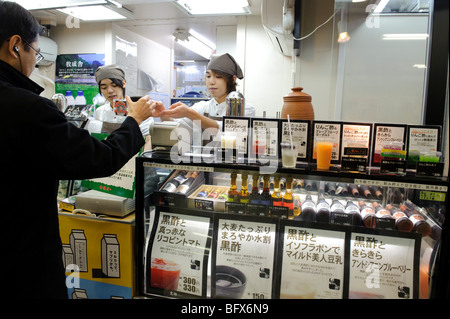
[343, 37]
[214, 7]
[91, 13]
[405, 36]
[195, 42]
[52, 4]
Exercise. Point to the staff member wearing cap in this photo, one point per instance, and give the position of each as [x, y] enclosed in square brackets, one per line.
[221, 75]
[39, 148]
[111, 83]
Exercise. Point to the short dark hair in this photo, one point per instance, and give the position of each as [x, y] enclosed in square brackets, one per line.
[16, 20]
[117, 82]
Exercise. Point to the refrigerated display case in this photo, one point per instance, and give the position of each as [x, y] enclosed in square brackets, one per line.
[198, 244]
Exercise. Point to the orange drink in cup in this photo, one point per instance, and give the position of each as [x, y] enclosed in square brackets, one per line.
[323, 152]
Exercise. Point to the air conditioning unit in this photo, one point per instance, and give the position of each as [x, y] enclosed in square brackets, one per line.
[49, 49]
[278, 21]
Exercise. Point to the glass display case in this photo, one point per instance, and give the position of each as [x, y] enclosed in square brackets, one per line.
[209, 229]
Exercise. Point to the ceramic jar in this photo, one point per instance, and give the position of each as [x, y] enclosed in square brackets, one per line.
[298, 105]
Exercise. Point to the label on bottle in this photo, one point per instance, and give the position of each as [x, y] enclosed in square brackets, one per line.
[367, 211]
[170, 187]
[182, 189]
[382, 213]
[308, 204]
[416, 218]
[322, 205]
[337, 206]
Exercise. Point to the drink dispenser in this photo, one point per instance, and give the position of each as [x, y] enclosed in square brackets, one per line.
[235, 104]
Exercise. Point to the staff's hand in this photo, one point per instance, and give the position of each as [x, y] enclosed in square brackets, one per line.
[157, 108]
[177, 110]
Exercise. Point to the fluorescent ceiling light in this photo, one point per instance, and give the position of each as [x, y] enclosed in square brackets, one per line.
[419, 66]
[93, 13]
[52, 4]
[195, 42]
[405, 36]
[214, 7]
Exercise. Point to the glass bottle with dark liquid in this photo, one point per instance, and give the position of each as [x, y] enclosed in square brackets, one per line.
[265, 197]
[322, 210]
[288, 199]
[277, 200]
[254, 196]
[352, 209]
[233, 194]
[308, 209]
[184, 187]
[367, 214]
[172, 185]
[244, 196]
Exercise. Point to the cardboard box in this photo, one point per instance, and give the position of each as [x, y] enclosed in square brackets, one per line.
[98, 256]
[206, 203]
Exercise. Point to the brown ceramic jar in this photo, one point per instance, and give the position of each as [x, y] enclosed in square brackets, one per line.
[298, 105]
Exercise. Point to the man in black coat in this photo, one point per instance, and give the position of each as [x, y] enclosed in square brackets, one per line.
[38, 148]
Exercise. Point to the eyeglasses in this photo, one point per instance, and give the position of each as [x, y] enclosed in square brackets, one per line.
[39, 57]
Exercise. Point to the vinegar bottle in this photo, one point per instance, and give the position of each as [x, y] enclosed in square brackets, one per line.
[420, 224]
[308, 209]
[352, 209]
[322, 210]
[233, 194]
[244, 196]
[254, 196]
[367, 214]
[277, 200]
[402, 222]
[265, 197]
[288, 199]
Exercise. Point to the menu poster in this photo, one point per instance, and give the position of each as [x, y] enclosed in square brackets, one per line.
[177, 259]
[300, 132]
[313, 263]
[386, 134]
[239, 126]
[264, 137]
[424, 138]
[384, 267]
[243, 258]
[330, 131]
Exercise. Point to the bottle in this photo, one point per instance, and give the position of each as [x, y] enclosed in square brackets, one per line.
[288, 199]
[70, 100]
[265, 197]
[204, 193]
[322, 210]
[297, 206]
[298, 183]
[366, 191]
[402, 222]
[173, 184]
[80, 99]
[309, 185]
[184, 187]
[380, 211]
[330, 188]
[378, 191]
[367, 214]
[254, 196]
[277, 200]
[420, 224]
[337, 207]
[244, 196]
[214, 194]
[354, 190]
[352, 209]
[233, 194]
[308, 209]
[342, 189]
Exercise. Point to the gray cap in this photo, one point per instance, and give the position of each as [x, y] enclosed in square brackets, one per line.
[109, 72]
[227, 64]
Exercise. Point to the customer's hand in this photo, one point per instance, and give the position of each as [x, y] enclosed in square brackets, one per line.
[140, 110]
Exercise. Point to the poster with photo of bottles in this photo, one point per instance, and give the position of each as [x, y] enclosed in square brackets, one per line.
[312, 263]
[177, 256]
[243, 257]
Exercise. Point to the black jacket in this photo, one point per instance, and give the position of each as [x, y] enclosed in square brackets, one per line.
[38, 148]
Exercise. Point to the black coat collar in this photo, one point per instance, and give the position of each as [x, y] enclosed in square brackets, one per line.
[10, 75]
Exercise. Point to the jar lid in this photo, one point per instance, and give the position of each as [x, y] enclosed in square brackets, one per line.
[297, 95]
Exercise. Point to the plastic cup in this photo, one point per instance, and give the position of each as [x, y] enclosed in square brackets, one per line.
[323, 152]
[228, 140]
[288, 155]
[164, 274]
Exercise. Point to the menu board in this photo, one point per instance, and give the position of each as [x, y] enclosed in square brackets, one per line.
[243, 258]
[383, 267]
[424, 137]
[330, 131]
[299, 130]
[178, 260]
[264, 137]
[312, 263]
[239, 126]
[387, 134]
